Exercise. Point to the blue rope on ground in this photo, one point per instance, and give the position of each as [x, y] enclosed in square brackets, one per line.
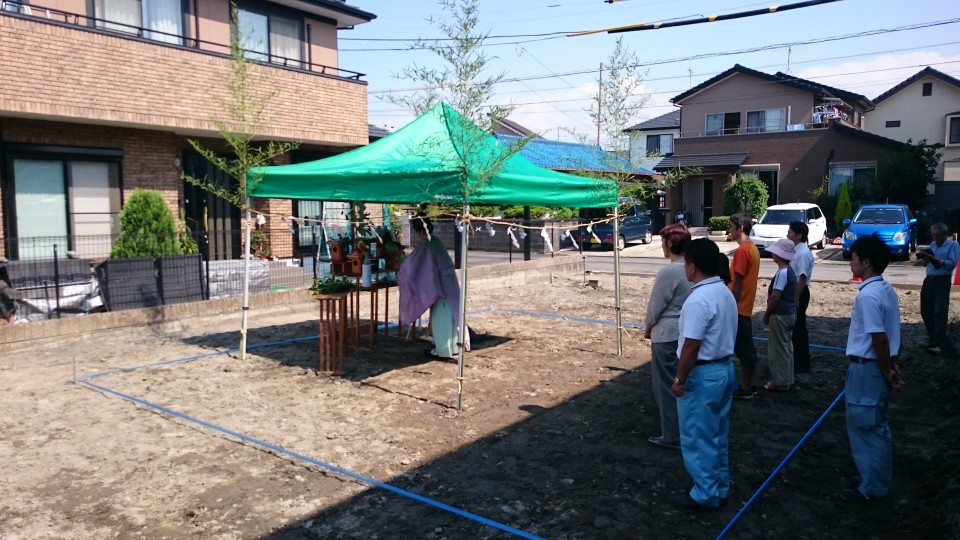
[780, 467]
[280, 450]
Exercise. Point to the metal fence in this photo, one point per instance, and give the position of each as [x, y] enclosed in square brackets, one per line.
[53, 277]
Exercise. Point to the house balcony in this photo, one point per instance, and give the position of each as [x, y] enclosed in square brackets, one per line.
[65, 67]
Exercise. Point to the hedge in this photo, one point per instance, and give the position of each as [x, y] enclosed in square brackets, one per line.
[718, 223]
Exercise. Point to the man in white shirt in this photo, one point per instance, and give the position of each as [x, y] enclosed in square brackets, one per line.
[705, 379]
[872, 348]
[802, 265]
[940, 259]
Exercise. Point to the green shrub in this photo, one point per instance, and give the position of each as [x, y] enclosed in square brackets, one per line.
[718, 223]
[146, 228]
[538, 212]
[746, 194]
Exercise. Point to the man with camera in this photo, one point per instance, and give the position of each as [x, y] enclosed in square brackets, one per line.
[940, 258]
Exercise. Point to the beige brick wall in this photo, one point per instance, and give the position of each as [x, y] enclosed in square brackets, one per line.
[58, 71]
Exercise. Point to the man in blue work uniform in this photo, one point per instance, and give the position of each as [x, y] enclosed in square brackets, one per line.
[872, 348]
[705, 378]
[941, 260]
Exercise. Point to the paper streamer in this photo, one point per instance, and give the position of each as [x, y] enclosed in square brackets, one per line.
[596, 239]
[513, 238]
[490, 230]
[261, 220]
[546, 238]
[572, 241]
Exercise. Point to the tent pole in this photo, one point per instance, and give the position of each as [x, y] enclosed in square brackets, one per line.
[464, 239]
[246, 284]
[616, 278]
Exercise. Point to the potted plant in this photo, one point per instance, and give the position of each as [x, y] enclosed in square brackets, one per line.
[330, 285]
[260, 244]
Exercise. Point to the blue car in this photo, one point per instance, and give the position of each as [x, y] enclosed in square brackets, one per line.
[894, 223]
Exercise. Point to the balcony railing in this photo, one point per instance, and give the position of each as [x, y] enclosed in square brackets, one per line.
[95, 24]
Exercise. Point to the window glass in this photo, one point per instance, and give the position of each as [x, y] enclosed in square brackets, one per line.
[165, 18]
[254, 34]
[41, 202]
[666, 144]
[714, 124]
[118, 15]
[94, 207]
[954, 135]
[285, 41]
[768, 120]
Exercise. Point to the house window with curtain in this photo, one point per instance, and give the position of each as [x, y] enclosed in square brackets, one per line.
[722, 124]
[766, 120]
[660, 144]
[268, 37]
[159, 20]
[69, 199]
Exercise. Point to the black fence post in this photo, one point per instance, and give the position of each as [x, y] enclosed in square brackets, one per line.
[526, 239]
[56, 278]
[457, 251]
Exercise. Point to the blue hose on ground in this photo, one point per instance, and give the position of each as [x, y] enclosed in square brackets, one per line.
[780, 467]
[562, 317]
[280, 450]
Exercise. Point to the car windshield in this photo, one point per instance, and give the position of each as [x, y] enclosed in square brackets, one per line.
[595, 214]
[781, 217]
[878, 216]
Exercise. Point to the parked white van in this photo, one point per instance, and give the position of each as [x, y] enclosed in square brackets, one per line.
[775, 221]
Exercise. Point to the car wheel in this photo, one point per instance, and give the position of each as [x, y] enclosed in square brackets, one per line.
[846, 255]
[647, 238]
[621, 243]
[822, 241]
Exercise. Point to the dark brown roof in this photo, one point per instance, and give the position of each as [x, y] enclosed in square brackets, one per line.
[916, 77]
[781, 78]
[702, 160]
[374, 132]
[509, 127]
[665, 121]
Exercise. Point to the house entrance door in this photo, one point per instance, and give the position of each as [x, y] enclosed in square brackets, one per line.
[693, 201]
[214, 222]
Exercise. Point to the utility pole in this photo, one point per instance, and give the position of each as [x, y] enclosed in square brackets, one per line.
[599, 101]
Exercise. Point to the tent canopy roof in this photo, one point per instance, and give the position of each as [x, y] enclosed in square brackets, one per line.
[440, 157]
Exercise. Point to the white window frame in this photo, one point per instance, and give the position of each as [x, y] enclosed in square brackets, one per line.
[767, 124]
[946, 139]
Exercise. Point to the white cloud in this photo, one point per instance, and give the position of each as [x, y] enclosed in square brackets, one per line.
[876, 75]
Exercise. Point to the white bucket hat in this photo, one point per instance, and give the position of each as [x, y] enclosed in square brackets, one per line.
[783, 248]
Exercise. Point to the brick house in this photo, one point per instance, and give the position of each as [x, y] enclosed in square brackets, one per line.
[926, 106]
[100, 97]
[793, 133]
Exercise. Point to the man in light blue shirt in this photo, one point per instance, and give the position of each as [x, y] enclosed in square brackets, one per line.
[941, 260]
[873, 344]
[704, 382]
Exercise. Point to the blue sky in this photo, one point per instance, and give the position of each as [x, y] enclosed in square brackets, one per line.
[557, 101]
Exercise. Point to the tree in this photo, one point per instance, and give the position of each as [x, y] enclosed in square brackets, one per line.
[844, 208]
[746, 194]
[147, 228]
[618, 100]
[246, 116]
[462, 82]
[903, 176]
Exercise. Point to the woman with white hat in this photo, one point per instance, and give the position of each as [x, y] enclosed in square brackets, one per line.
[781, 316]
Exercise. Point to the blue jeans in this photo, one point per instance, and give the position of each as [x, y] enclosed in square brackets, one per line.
[868, 427]
[704, 410]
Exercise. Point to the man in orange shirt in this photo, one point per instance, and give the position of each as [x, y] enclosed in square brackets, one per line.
[744, 271]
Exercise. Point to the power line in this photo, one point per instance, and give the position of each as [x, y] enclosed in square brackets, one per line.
[711, 18]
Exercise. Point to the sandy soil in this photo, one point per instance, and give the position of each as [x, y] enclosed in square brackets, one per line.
[550, 441]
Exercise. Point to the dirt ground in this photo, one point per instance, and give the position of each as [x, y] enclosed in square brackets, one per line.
[550, 441]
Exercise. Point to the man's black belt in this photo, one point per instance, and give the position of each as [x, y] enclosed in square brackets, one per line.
[714, 361]
[861, 360]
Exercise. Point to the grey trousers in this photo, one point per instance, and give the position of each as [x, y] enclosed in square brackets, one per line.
[780, 348]
[662, 372]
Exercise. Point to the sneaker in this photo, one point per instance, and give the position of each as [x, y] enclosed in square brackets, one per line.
[934, 349]
[740, 393]
[658, 440]
[683, 500]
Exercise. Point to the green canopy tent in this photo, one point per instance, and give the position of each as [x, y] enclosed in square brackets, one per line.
[440, 157]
